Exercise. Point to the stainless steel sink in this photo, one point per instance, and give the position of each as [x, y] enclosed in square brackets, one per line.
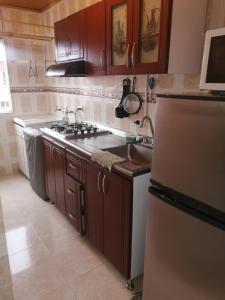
[134, 152]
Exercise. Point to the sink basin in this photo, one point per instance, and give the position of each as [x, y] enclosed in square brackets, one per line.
[134, 152]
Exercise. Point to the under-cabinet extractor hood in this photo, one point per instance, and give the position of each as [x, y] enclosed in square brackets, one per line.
[67, 69]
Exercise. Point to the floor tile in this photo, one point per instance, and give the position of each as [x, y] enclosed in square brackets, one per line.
[21, 238]
[27, 259]
[101, 284]
[62, 293]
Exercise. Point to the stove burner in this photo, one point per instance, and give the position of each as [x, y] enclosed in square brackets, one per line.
[76, 129]
[58, 128]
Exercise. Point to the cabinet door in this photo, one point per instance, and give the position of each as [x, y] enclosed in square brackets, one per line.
[119, 36]
[151, 35]
[117, 221]
[75, 32]
[95, 39]
[62, 40]
[73, 197]
[50, 171]
[59, 163]
[94, 204]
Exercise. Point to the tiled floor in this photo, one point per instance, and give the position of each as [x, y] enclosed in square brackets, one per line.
[48, 260]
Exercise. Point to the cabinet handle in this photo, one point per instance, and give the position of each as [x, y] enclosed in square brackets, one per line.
[133, 54]
[71, 216]
[102, 59]
[53, 152]
[72, 166]
[70, 46]
[66, 48]
[70, 192]
[127, 56]
[103, 184]
[98, 182]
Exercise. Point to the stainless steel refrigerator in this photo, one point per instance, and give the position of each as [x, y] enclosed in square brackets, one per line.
[185, 243]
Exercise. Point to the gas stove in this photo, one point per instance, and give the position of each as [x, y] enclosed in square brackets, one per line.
[78, 130]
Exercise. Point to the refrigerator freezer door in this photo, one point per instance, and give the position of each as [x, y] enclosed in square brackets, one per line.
[189, 149]
[184, 256]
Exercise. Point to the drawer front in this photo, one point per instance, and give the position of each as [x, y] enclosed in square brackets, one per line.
[73, 197]
[73, 166]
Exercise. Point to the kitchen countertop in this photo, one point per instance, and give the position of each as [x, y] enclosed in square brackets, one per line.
[34, 119]
[91, 145]
[202, 96]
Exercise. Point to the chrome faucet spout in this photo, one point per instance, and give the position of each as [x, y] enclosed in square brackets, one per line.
[145, 119]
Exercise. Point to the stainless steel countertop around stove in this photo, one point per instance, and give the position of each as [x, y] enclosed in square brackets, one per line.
[91, 145]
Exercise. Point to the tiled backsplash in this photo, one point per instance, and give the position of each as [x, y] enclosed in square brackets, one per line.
[97, 95]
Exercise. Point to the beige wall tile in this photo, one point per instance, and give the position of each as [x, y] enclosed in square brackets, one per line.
[42, 103]
[3, 171]
[25, 104]
[1, 153]
[22, 73]
[165, 81]
[191, 81]
[98, 111]
[15, 167]
[13, 149]
[10, 128]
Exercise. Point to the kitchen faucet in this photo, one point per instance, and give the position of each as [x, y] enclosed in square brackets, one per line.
[145, 119]
[66, 115]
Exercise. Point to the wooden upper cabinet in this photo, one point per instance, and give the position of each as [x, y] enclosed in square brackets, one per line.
[75, 32]
[95, 51]
[138, 34]
[151, 34]
[119, 36]
[61, 40]
[69, 37]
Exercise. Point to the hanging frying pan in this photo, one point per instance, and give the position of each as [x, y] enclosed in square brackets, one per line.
[132, 103]
[120, 111]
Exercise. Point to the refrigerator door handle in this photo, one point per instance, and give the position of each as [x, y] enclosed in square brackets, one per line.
[191, 206]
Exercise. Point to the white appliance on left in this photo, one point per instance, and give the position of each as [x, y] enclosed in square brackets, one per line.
[20, 123]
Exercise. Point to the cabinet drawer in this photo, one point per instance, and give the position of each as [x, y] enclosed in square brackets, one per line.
[73, 167]
[73, 199]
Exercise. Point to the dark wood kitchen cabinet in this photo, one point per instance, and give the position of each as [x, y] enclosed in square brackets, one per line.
[138, 34]
[59, 161]
[95, 27]
[55, 173]
[69, 37]
[94, 204]
[119, 36]
[49, 170]
[61, 40]
[74, 191]
[73, 199]
[108, 214]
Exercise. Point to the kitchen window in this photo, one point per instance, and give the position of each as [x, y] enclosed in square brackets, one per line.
[5, 95]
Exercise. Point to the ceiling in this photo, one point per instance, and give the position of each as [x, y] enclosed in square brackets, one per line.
[35, 5]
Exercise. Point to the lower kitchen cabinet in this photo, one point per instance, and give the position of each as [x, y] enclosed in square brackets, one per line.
[59, 163]
[49, 170]
[97, 202]
[108, 215]
[94, 204]
[74, 203]
[55, 173]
